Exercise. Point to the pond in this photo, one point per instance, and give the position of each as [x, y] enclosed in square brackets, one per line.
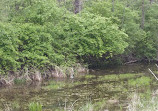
[109, 89]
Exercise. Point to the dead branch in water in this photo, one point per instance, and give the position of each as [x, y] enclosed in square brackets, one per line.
[156, 65]
[134, 61]
[153, 74]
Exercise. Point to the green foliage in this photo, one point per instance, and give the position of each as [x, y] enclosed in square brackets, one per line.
[147, 45]
[40, 34]
[35, 106]
[128, 14]
[93, 35]
[35, 11]
[25, 45]
[8, 47]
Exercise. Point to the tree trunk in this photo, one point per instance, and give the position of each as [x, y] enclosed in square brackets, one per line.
[59, 1]
[123, 18]
[113, 5]
[16, 6]
[151, 1]
[77, 6]
[143, 15]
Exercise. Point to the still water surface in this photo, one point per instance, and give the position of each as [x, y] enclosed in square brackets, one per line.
[109, 88]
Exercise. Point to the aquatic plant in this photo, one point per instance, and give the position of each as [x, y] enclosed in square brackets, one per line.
[108, 77]
[116, 77]
[35, 106]
[89, 76]
[55, 85]
[129, 75]
[142, 81]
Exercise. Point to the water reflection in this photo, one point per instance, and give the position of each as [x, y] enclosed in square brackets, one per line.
[108, 89]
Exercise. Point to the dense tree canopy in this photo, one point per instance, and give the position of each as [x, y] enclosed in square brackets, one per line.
[40, 34]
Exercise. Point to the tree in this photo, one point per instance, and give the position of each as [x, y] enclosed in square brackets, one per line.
[77, 6]
[143, 15]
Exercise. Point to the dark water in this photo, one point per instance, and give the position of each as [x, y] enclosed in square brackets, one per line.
[109, 89]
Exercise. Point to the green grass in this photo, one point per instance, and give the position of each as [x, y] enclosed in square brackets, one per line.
[35, 106]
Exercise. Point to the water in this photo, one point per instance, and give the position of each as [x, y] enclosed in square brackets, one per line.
[107, 89]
